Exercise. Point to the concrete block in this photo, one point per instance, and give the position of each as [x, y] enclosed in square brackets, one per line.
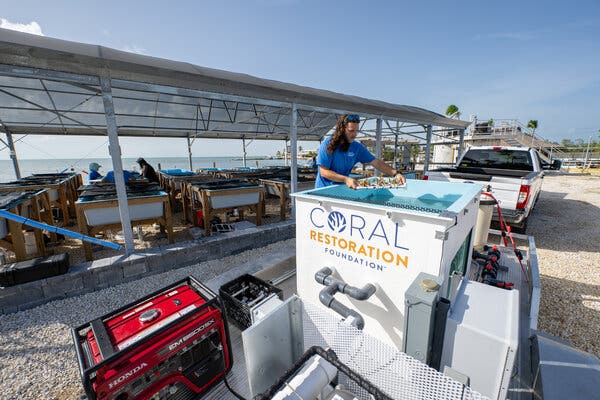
[106, 274]
[10, 298]
[61, 286]
[134, 266]
[31, 290]
[156, 262]
[196, 233]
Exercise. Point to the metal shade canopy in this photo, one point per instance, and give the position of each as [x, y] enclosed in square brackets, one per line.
[51, 86]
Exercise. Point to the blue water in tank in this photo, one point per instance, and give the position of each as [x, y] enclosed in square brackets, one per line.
[424, 196]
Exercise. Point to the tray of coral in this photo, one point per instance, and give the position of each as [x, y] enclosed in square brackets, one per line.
[380, 183]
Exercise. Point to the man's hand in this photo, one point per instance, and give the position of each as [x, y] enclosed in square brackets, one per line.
[351, 183]
[401, 178]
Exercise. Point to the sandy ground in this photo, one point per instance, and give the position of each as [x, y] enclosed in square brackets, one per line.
[566, 226]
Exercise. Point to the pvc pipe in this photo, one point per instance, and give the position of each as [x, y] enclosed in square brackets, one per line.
[55, 229]
[323, 276]
[316, 374]
[332, 286]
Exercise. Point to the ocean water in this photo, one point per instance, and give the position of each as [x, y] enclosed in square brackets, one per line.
[29, 167]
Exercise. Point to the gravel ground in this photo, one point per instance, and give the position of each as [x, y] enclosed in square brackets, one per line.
[37, 356]
[566, 226]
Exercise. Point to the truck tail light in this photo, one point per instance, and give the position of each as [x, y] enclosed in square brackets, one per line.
[425, 177]
[523, 196]
[497, 148]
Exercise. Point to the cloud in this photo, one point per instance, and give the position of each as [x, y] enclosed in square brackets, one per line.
[135, 49]
[32, 27]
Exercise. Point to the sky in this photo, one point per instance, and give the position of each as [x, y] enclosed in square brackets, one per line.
[501, 60]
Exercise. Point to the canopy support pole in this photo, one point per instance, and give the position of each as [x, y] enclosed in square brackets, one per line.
[461, 144]
[189, 146]
[378, 142]
[294, 155]
[396, 144]
[427, 149]
[115, 154]
[13, 153]
[244, 150]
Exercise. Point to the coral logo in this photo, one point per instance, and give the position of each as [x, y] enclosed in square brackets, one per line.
[336, 221]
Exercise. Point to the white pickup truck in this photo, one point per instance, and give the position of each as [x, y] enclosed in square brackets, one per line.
[514, 175]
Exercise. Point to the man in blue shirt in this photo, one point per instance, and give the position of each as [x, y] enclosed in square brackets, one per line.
[339, 153]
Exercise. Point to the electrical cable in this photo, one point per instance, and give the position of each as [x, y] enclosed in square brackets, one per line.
[506, 231]
[236, 394]
[500, 218]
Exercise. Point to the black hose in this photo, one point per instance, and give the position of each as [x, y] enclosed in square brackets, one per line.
[236, 394]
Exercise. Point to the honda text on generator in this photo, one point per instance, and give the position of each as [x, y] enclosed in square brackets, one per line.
[171, 344]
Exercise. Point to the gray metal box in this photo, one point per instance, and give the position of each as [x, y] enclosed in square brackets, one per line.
[420, 301]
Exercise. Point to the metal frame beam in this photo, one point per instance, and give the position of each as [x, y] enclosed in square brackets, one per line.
[378, 142]
[461, 144]
[189, 147]
[13, 153]
[294, 149]
[115, 154]
[427, 150]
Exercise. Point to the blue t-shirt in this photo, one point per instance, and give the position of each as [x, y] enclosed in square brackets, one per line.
[110, 176]
[341, 162]
[94, 175]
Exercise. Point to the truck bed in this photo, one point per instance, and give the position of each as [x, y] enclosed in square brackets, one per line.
[485, 174]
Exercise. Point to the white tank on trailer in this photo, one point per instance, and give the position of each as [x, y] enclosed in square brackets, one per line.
[384, 237]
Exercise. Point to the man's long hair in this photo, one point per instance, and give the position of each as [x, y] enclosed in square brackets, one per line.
[339, 136]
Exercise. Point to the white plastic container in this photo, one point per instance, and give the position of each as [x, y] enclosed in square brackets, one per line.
[110, 215]
[482, 336]
[484, 219]
[30, 243]
[234, 199]
[385, 237]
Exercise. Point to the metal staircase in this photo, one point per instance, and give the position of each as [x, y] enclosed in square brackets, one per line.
[512, 133]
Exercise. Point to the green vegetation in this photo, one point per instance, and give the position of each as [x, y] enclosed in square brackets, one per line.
[579, 145]
[452, 111]
[533, 125]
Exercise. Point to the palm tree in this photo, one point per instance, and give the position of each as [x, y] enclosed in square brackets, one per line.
[452, 111]
[533, 125]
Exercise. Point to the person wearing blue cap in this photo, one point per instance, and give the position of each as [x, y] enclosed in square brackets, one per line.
[94, 174]
[339, 153]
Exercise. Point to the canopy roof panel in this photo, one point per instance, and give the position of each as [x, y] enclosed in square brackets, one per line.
[51, 86]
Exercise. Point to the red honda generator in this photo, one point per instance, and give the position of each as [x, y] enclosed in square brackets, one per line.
[172, 344]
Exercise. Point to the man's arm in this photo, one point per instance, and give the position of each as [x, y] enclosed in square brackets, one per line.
[334, 176]
[387, 170]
